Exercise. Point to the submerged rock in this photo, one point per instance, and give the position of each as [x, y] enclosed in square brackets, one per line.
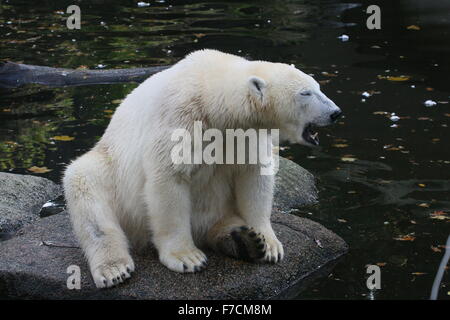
[34, 264]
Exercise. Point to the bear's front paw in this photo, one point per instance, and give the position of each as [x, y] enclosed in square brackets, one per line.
[111, 273]
[188, 259]
[274, 249]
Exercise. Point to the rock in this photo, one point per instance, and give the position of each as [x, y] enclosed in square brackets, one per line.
[294, 187]
[21, 198]
[31, 270]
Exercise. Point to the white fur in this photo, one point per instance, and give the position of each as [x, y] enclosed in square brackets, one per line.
[126, 191]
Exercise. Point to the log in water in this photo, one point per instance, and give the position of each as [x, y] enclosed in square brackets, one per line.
[13, 75]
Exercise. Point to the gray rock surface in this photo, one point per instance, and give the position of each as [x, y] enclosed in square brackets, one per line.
[29, 269]
[21, 198]
[294, 186]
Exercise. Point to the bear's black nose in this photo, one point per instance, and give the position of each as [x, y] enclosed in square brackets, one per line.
[335, 115]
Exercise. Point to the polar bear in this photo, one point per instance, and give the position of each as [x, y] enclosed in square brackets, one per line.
[126, 191]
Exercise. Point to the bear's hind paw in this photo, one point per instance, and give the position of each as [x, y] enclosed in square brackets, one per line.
[243, 243]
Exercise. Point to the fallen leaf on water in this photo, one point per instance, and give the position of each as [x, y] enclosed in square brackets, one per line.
[199, 35]
[340, 145]
[447, 114]
[342, 220]
[348, 159]
[421, 185]
[108, 111]
[380, 112]
[381, 264]
[439, 215]
[418, 273]
[393, 78]
[39, 169]
[62, 138]
[117, 101]
[327, 74]
[424, 205]
[413, 27]
[436, 249]
[399, 78]
[407, 237]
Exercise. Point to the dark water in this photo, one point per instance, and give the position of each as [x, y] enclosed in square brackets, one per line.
[378, 183]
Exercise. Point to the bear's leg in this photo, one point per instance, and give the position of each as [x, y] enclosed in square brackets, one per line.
[254, 195]
[169, 209]
[91, 206]
[232, 237]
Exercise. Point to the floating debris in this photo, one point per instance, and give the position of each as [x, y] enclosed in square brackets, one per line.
[413, 27]
[394, 117]
[430, 103]
[143, 4]
[366, 94]
[344, 37]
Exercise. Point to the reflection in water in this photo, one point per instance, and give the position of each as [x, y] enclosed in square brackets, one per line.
[378, 182]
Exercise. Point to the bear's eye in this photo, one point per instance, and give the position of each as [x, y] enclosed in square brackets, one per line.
[306, 93]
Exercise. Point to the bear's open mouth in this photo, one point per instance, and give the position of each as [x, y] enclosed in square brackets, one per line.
[310, 136]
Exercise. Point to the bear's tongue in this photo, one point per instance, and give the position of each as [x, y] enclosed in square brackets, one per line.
[310, 136]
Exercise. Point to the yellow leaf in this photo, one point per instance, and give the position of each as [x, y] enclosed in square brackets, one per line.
[421, 185]
[108, 111]
[63, 138]
[413, 27]
[405, 238]
[381, 264]
[340, 145]
[117, 101]
[348, 159]
[399, 78]
[39, 169]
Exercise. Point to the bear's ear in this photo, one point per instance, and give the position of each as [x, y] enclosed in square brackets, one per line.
[257, 87]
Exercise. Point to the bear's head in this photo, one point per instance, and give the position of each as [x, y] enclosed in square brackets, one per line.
[294, 101]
